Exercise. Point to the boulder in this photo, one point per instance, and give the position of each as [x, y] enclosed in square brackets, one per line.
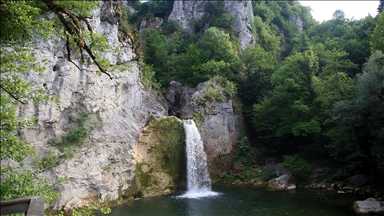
[277, 168]
[369, 206]
[284, 182]
[358, 180]
[340, 174]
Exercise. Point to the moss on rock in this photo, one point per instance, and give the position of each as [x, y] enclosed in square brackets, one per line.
[160, 157]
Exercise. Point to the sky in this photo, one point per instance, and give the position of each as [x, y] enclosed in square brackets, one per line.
[323, 10]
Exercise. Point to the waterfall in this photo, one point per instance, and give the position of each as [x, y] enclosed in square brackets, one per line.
[198, 179]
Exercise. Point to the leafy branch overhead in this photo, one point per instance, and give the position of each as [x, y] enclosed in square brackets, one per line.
[74, 26]
[22, 24]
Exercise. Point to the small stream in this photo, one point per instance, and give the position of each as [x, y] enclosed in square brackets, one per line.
[241, 200]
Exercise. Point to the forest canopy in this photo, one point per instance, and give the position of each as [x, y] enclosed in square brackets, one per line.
[311, 89]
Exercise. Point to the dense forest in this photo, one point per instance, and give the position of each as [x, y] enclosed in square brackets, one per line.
[310, 93]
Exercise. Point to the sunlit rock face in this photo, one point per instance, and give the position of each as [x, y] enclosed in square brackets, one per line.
[188, 11]
[102, 168]
[243, 12]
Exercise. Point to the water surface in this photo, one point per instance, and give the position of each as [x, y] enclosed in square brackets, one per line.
[238, 200]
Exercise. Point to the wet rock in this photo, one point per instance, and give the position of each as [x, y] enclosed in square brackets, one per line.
[369, 206]
[358, 180]
[218, 123]
[340, 174]
[284, 182]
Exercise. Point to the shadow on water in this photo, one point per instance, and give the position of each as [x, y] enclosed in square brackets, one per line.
[237, 200]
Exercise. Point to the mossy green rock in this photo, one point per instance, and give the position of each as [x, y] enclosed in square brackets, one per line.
[160, 157]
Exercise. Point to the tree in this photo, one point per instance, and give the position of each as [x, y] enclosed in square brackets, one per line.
[370, 106]
[284, 118]
[256, 69]
[377, 37]
[216, 45]
[380, 7]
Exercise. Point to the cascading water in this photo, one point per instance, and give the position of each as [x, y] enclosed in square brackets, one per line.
[198, 179]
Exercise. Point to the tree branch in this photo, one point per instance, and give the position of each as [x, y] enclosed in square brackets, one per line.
[13, 96]
[75, 28]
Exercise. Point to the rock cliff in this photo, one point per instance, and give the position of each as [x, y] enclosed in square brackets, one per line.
[187, 11]
[115, 158]
[102, 168]
[219, 125]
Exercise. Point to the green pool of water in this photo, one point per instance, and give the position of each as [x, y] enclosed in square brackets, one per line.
[238, 200]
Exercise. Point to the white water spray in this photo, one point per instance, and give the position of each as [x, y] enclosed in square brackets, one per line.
[198, 179]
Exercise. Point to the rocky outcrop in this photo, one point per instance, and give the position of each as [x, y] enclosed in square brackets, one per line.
[284, 182]
[243, 12]
[102, 169]
[369, 206]
[187, 11]
[160, 158]
[149, 23]
[218, 123]
[297, 21]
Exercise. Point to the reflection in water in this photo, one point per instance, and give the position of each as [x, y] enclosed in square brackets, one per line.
[235, 200]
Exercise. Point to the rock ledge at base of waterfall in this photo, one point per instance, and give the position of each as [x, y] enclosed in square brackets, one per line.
[284, 182]
[369, 206]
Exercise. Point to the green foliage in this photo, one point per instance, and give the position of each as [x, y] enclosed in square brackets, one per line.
[266, 37]
[299, 167]
[215, 45]
[171, 142]
[268, 174]
[217, 90]
[370, 104]
[149, 9]
[74, 137]
[286, 112]
[47, 162]
[105, 210]
[230, 176]
[24, 183]
[144, 177]
[19, 24]
[147, 77]
[243, 151]
[249, 175]
[197, 118]
[170, 26]
[377, 38]
[220, 18]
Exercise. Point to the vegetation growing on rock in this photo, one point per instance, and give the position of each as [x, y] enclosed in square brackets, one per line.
[160, 157]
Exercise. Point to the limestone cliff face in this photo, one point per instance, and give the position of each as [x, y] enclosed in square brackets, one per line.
[243, 16]
[103, 167]
[219, 125]
[185, 11]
